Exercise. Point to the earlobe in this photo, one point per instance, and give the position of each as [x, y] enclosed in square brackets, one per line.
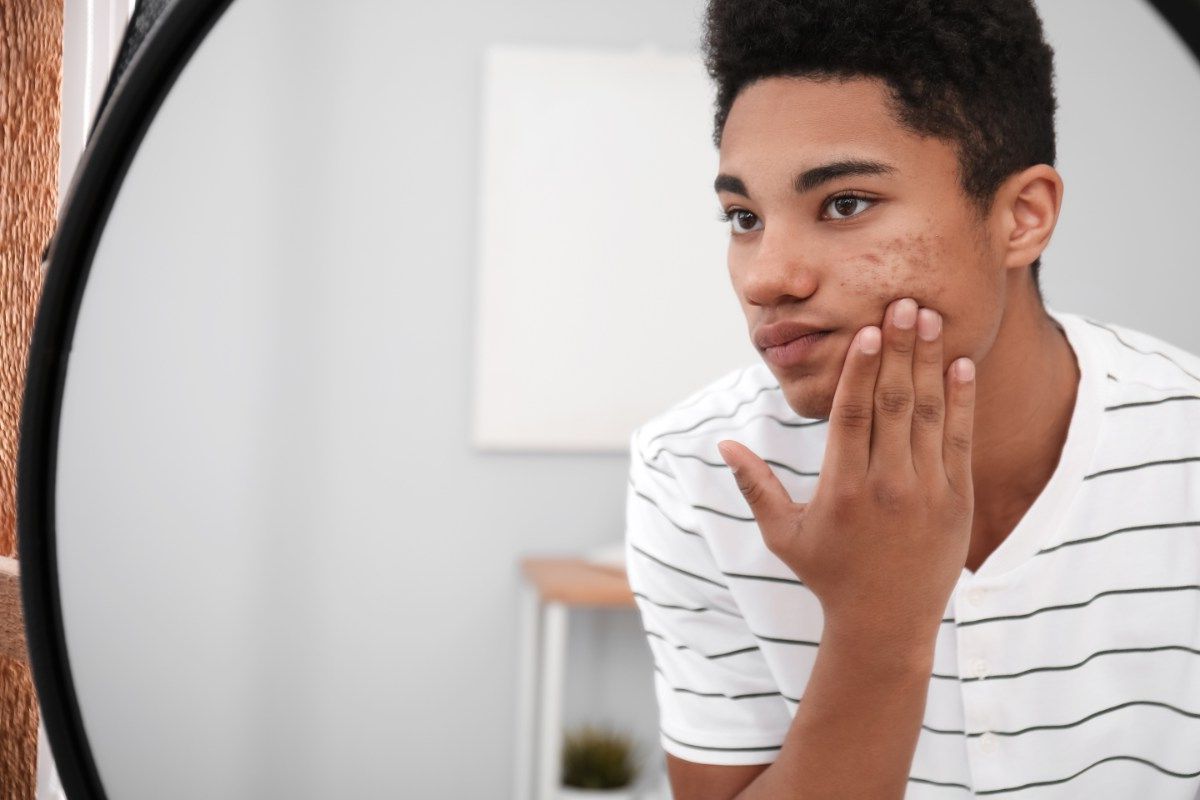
[1033, 199]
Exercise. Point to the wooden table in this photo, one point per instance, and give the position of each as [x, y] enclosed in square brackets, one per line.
[550, 587]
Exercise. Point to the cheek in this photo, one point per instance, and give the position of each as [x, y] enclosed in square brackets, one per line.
[913, 265]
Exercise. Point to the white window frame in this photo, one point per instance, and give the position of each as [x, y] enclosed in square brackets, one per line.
[92, 33]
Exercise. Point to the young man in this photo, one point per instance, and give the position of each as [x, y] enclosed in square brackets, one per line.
[893, 579]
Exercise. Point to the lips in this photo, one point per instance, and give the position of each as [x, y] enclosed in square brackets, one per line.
[779, 333]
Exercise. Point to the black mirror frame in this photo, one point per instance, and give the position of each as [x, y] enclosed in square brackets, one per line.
[115, 139]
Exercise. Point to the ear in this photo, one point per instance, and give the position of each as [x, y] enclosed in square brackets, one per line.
[1028, 204]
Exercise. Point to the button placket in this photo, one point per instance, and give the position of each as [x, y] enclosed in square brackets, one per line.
[977, 668]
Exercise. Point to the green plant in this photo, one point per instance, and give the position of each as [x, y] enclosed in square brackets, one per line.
[596, 758]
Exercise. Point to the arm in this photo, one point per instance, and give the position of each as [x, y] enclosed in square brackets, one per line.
[881, 544]
[853, 735]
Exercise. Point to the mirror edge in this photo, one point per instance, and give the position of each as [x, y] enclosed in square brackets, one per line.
[115, 138]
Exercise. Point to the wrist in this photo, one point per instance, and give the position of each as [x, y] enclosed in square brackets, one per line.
[892, 648]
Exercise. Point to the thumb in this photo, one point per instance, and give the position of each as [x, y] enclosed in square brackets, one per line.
[768, 499]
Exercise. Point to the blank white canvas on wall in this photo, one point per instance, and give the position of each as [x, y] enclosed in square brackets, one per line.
[603, 293]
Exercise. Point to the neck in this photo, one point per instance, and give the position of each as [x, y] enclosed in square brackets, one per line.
[1025, 396]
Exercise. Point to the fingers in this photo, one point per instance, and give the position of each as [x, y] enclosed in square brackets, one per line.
[768, 499]
[929, 387]
[891, 442]
[960, 425]
[848, 445]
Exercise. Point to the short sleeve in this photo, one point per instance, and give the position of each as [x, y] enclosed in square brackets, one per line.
[718, 701]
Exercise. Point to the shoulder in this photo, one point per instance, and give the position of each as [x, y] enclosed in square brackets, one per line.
[1136, 358]
[1153, 383]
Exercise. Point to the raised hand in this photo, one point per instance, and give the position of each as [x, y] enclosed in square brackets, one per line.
[885, 536]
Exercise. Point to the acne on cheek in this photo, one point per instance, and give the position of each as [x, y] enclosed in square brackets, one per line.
[901, 267]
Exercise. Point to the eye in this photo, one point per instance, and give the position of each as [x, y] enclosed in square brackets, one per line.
[845, 202]
[738, 217]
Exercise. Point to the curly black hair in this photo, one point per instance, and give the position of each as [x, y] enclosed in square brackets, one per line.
[976, 73]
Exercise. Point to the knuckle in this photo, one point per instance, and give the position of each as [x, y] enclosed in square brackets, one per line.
[889, 495]
[959, 440]
[853, 415]
[902, 343]
[928, 410]
[893, 400]
[845, 494]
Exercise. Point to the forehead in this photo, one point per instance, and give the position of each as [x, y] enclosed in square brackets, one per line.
[786, 122]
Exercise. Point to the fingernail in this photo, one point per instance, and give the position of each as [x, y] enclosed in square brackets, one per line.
[964, 369]
[905, 315]
[929, 324]
[868, 340]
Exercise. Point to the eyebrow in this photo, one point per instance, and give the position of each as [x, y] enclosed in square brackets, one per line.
[812, 178]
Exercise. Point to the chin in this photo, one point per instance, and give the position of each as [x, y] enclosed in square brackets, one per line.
[807, 395]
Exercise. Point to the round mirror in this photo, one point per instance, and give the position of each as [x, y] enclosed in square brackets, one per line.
[353, 320]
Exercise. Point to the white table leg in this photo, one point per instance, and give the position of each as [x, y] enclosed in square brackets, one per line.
[527, 680]
[554, 656]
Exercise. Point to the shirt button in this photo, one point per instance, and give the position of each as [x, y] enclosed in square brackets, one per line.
[978, 668]
[988, 742]
[975, 596]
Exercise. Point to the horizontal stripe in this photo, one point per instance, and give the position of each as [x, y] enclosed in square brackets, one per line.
[777, 640]
[727, 415]
[1034, 784]
[696, 693]
[681, 571]
[664, 639]
[772, 578]
[658, 508]
[696, 610]
[723, 465]
[948, 784]
[1081, 604]
[1077, 665]
[786, 423]
[1064, 725]
[1153, 402]
[719, 749]
[723, 513]
[1091, 716]
[1132, 467]
[1128, 529]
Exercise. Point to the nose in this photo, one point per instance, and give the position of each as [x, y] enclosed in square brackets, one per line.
[776, 271]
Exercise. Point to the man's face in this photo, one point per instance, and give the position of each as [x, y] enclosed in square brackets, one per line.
[838, 263]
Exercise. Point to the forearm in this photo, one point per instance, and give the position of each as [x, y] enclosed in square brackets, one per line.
[855, 730]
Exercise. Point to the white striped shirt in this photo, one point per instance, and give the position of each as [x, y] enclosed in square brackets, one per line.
[1067, 666]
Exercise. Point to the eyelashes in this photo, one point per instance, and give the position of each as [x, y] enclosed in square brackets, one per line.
[737, 213]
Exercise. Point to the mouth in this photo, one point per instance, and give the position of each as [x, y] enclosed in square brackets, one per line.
[796, 351]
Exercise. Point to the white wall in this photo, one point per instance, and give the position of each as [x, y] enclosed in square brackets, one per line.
[286, 572]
